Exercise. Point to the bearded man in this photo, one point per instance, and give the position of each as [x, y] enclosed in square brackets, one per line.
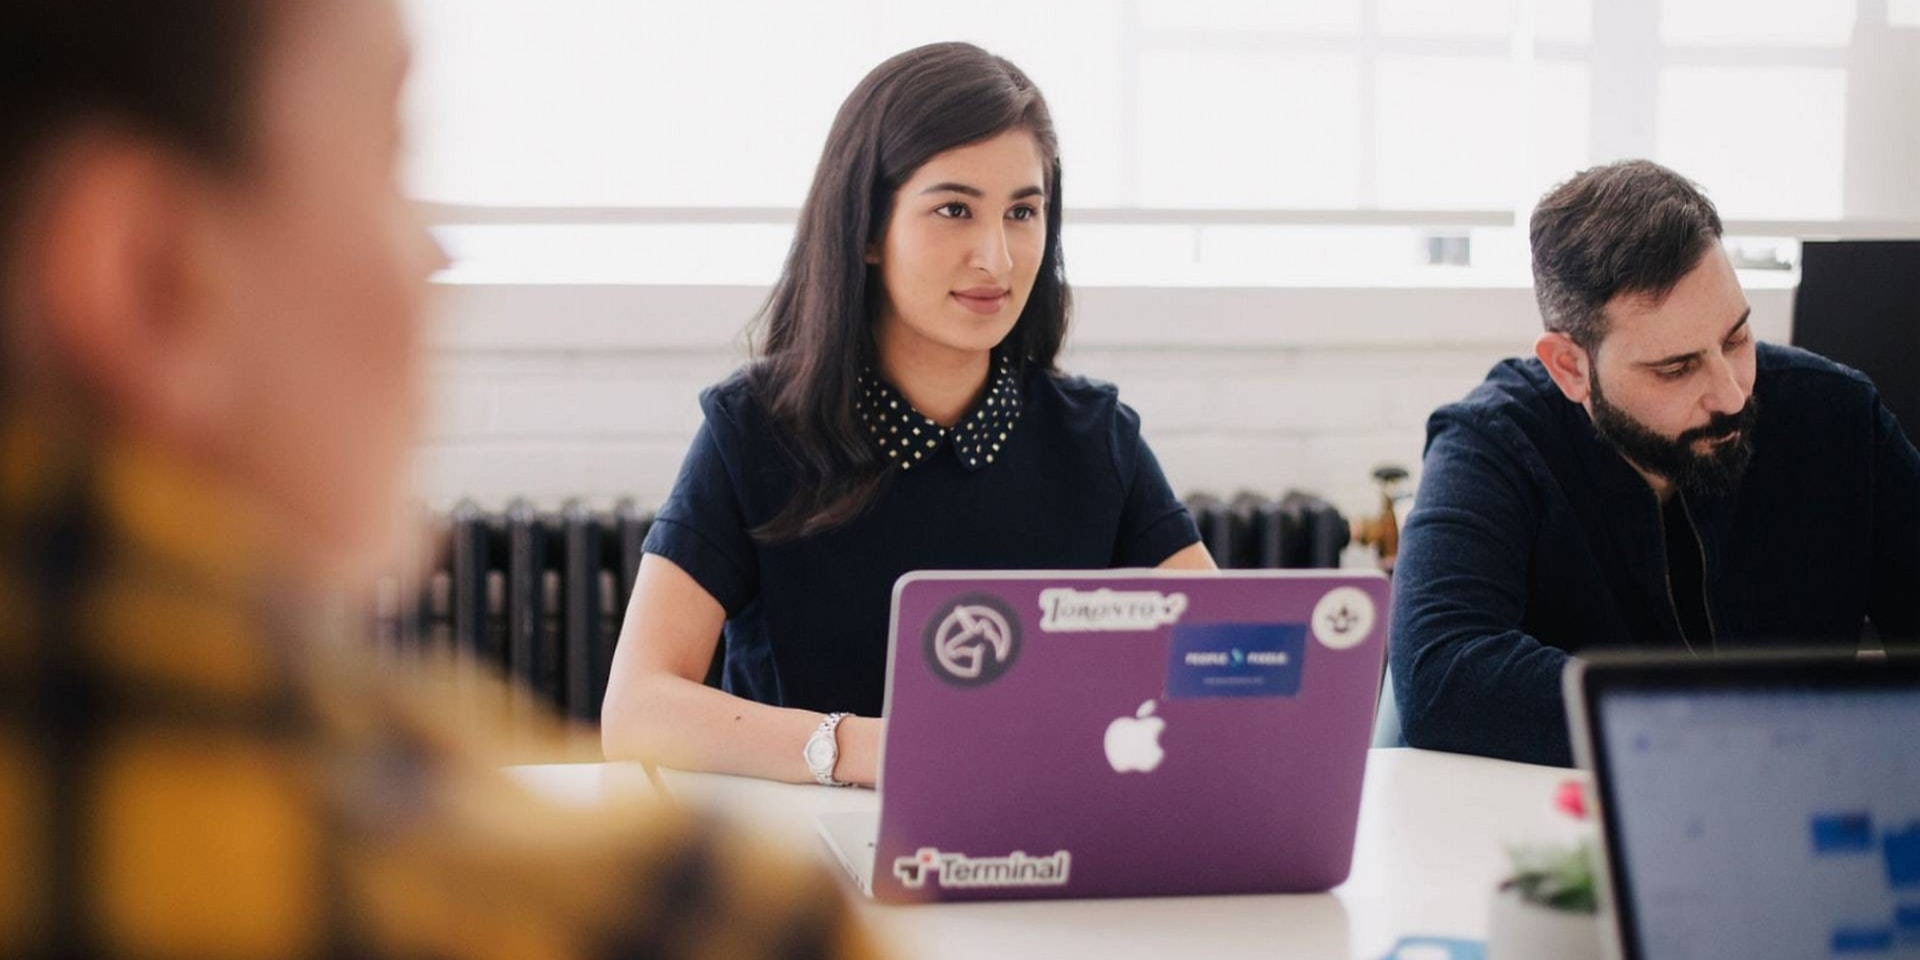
[1651, 478]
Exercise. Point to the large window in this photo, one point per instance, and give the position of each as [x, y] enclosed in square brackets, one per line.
[1206, 140]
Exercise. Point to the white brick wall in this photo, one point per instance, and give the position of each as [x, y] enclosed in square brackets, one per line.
[560, 391]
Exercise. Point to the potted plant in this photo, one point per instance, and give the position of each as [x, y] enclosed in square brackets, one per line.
[1546, 909]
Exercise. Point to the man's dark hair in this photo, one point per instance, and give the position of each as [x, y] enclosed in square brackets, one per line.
[1631, 227]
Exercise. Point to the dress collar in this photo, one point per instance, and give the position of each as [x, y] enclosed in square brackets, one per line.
[910, 438]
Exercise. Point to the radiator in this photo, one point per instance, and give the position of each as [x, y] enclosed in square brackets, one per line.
[539, 595]
[1253, 532]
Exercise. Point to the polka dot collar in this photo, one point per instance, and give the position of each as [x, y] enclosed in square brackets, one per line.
[910, 438]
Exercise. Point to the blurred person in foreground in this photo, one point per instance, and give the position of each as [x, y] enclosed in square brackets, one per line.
[210, 338]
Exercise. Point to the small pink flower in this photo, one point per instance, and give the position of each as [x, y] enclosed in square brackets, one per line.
[1571, 799]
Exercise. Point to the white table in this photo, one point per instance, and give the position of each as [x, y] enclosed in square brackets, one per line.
[1434, 828]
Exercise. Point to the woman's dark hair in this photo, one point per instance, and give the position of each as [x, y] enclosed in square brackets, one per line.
[816, 332]
[177, 71]
[1632, 227]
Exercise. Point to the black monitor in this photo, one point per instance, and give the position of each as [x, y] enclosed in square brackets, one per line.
[1859, 304]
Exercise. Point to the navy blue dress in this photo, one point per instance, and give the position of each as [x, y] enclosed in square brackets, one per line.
[1048, 472]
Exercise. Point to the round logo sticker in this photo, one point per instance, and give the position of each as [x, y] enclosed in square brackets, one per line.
[973, 640]
[1343, 618]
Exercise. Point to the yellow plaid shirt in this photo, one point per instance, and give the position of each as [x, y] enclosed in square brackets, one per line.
[182, 775]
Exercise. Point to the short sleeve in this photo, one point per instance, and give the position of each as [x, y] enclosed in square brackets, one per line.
[702, 527]
[1154, 524]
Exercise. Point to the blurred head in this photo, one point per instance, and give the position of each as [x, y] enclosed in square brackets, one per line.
[206, 249]
[1646, 323]
[934, 217]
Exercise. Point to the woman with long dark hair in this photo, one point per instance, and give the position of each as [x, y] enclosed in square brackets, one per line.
[903, 412]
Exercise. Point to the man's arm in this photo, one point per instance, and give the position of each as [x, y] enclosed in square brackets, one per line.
[1895, 604]
[1466, 678]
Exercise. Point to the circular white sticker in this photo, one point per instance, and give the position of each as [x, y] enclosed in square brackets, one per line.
[1343, 618]
[974, 641]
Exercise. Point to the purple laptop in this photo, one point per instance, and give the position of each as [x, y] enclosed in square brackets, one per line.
[1132, 733]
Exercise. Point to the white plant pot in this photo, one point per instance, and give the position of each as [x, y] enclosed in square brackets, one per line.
[1523, 930]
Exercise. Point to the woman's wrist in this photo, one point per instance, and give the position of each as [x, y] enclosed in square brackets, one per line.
[859, 750]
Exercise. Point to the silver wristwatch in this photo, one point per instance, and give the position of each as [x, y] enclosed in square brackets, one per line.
[822, 752]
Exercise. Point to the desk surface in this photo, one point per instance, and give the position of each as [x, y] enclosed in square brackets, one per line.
[1434, 829]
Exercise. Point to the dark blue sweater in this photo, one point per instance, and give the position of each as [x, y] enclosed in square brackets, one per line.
[1531, 539]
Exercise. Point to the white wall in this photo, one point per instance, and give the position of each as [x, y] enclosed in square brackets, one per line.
[558, 391]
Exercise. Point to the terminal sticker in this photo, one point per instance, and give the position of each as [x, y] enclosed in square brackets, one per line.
[957, 870]
[1236, 659]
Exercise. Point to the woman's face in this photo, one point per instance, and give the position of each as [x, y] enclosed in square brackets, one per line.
[963, 245]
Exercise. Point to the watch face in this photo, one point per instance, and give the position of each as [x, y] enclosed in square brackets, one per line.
[820, 753]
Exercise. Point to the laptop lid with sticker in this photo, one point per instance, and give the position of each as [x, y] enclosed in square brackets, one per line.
[1126, 733]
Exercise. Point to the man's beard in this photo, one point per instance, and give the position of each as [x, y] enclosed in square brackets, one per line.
[1714, 473]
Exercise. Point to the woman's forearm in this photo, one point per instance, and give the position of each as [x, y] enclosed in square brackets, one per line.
[687, 725]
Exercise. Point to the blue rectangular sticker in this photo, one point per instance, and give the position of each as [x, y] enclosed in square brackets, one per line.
[1842, 833]
[1236, 659]
[1906, 917]
[1902, 848]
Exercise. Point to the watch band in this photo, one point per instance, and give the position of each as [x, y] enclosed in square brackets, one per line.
[822, 752]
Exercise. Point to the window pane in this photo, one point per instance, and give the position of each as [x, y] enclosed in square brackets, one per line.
[1559, 123]
[1785, 22]
[605, 102]
[1448, 132]
[1071, 50]
[1562, 21]
[1765, 143]
[1456, 18]
[1236, 130]
[581, 102]
[1292, 16]
[1559, 21]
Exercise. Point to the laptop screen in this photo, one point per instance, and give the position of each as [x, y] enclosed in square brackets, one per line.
[1764, 822]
